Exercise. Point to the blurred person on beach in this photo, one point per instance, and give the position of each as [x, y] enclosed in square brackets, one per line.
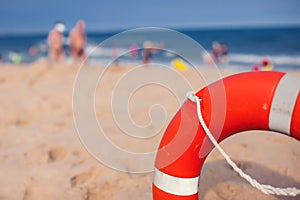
[147, 51]
[223, 58]
[218, 54]
[115, 55]
[55, 41]
[15, 57]
[255, 68]
[216, 49]
[1, 60]
[265, 65]
[33, 50]
[78, 41]
[149, 48]
[134, 51]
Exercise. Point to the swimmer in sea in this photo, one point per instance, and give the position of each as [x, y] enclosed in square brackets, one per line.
[55, 42]
[78, 41]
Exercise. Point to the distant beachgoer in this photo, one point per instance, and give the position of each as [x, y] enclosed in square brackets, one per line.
[267, 65]
[148, 48]
[78, 41]
[55, 42]
[134, 50]
[218, 54]
[255, 68]
[223, 58]
[33, 50]
[1, 59]
[15, 57]
[115, 55]
[216, 49]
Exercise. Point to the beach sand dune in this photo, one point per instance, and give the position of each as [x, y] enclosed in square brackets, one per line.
[41, 156]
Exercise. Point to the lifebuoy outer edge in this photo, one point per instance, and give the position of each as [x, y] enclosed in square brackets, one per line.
[253, 101]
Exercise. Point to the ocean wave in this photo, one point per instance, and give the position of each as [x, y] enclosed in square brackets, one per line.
[293, 60]
[93, 50]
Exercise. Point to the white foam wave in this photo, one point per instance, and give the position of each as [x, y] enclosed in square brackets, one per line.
[275, 59]
[97, 51]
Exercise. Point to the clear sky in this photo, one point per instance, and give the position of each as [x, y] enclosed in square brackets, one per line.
[39, 15]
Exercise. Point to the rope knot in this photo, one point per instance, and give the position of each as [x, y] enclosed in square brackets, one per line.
[192, 96]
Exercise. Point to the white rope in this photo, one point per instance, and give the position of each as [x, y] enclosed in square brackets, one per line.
[267, 189]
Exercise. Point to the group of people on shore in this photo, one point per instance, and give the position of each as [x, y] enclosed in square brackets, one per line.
[76, 41]
[219, 55]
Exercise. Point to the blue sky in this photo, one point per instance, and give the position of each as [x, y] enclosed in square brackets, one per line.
[20, 16]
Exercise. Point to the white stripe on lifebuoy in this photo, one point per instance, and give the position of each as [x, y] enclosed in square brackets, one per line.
[175, 185]
[283, 104]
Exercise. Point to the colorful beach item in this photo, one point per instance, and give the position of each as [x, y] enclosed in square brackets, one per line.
[179, 64]
[241, 102]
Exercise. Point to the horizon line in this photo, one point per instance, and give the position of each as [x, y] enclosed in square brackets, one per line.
[176, 28]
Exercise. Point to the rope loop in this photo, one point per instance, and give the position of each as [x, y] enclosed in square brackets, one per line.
[267, 189]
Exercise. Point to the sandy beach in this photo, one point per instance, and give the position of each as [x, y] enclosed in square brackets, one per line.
[42, 157]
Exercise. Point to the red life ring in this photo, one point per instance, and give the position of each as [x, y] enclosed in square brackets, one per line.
[253, 101]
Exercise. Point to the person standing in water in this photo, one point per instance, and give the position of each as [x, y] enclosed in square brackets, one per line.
[78, 41]
[55, 41]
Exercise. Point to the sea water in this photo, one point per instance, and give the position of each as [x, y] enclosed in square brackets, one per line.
[246, 46]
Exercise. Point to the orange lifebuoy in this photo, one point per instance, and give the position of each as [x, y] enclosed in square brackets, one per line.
[252, 100]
